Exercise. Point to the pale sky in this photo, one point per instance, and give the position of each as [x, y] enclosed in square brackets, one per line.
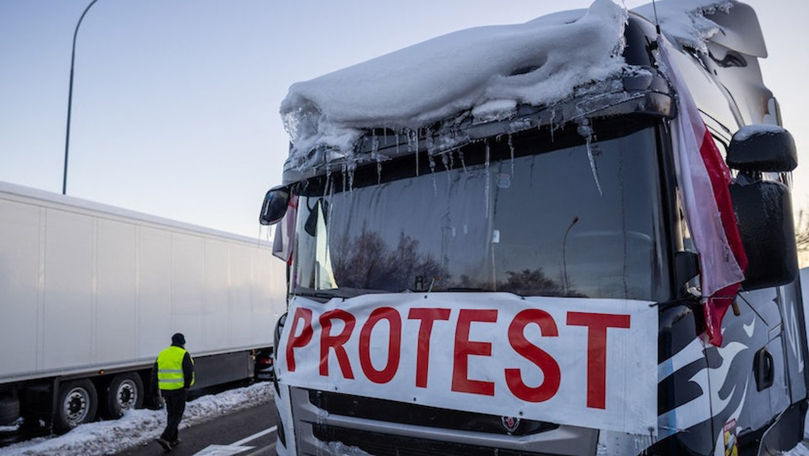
[175, 102]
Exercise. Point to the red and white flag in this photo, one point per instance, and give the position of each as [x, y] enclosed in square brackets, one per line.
[704, 179]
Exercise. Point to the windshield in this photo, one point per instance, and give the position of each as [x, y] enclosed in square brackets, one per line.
[576, 221]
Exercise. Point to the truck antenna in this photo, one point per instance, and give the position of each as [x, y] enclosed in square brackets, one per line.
[657, 22]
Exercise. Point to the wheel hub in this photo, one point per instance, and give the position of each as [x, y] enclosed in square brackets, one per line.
[75, 405]
[127, 394]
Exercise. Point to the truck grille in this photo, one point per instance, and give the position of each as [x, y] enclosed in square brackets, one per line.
[380, 444]
[404, 413]
[326, 421]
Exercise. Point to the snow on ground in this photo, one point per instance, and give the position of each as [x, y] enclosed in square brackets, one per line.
[139, 426]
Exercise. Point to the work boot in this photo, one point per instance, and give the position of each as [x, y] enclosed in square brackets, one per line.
[164, 443]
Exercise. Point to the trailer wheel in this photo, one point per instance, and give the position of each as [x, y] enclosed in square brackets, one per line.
[77, 403]
[9, 410]
[125, 392]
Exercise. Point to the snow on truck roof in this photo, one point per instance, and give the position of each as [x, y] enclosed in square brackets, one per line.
[487, 71]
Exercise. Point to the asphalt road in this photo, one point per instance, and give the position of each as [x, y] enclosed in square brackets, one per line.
[250, 432]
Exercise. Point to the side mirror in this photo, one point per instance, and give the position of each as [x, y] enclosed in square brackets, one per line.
[762, 148]
[764, 213]
[274, 206]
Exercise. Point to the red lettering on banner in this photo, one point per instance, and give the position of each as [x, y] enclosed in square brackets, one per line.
[427, 317]
[301, 313]
[552, 376]
[464, 348]
[335, 342]
[394, 345]
[597, 324]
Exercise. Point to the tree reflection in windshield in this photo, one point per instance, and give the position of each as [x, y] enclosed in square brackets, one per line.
[366, 261]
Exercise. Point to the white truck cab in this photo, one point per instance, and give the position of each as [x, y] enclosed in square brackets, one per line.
[490, 252]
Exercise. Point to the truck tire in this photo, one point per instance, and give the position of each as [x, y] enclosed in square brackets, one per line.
[124, 392]
[76, 404]
[9, 410]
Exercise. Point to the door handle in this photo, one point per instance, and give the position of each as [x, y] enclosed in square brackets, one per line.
[764, 369]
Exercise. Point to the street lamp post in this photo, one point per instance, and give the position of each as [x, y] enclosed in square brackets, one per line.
[70, 95]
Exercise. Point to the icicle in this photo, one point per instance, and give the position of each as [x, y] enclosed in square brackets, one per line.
[413, 145]
[344, 176]
[553, 127]
[593, 167]
[511, 151]
[351, 168]
[429, 144]
[417, 151]
[374, 144]
[486, 176]
[429, 148]
[586, 131]
[375, 156]
[328, 179]
[329, 218]
[460, 157]
[446, 161]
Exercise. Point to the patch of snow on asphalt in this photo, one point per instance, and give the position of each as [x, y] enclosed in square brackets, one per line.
[140, 426]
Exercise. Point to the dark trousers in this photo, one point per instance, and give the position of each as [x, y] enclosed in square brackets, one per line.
[175, 406]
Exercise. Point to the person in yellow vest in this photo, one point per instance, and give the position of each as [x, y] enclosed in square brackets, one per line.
[174, 372]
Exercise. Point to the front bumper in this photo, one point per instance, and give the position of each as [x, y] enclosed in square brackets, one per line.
[331, 423]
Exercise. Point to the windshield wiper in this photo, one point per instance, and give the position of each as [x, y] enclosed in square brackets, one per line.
[321, 295]
[486, 290]
[342, 292]
[466, 290]
[479, 290]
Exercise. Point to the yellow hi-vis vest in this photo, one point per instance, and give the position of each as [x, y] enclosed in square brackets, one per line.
[170, 368]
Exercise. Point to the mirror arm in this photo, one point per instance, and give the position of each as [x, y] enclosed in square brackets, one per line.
[686, 267]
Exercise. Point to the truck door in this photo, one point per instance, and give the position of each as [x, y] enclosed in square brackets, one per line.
[748, 379]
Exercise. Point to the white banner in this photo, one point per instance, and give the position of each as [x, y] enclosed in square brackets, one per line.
[582, 362]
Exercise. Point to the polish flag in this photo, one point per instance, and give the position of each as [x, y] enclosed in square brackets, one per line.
[704, 179]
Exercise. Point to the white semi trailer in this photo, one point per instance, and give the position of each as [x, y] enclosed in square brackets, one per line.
[90, 293]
